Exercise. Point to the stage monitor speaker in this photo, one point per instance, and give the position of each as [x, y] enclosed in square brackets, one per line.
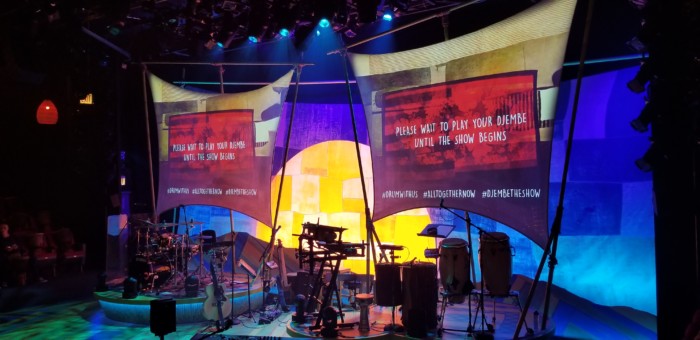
[163, 317]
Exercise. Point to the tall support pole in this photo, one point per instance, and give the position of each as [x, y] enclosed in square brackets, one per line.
[553, 240]
[221, 79]
[371, 232]
[148, 141]
[286, 145]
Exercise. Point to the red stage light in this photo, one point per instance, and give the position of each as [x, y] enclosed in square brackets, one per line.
[47, 113]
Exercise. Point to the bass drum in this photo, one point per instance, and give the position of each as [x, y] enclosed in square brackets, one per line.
[454, 269]
[496, 261]
[420, 296]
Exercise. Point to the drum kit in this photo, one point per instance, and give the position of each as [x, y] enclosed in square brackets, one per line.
[162, 256]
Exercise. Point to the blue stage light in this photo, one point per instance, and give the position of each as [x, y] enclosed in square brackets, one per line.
[388, 15]
[284, 32]
[252, 39]
[324, 23]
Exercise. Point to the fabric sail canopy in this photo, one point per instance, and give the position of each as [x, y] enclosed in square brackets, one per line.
[217, 149]
[468, 122]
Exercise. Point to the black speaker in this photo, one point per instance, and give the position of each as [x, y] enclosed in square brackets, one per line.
[163, 317]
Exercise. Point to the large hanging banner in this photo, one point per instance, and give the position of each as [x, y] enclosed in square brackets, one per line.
[216, 149]
[468, 122]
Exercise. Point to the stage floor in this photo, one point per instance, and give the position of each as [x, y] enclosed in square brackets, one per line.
[66, 308]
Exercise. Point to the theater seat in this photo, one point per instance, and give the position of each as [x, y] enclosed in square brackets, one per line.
[69, 252]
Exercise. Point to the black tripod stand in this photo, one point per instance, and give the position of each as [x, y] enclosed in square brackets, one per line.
[484, 324]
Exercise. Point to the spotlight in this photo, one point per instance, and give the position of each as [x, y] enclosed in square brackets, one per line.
[253, 39]
[329, 317]
[299, 315]
[324, 23]
[652, 159]
[284, 32]
[101, 283]
[130, 288]
[191, 286]
[388, 14]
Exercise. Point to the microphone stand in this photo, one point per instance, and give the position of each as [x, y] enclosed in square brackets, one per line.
[468, 220]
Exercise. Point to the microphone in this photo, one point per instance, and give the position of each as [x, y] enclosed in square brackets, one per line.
[414, 260]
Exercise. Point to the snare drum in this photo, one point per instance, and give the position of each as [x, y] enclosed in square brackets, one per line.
[454, 269]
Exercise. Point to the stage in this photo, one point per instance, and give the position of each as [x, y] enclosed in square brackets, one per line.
[250, 318]
[66, 307]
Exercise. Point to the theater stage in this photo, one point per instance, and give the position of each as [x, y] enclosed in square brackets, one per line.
[66, 308]
[498, 320]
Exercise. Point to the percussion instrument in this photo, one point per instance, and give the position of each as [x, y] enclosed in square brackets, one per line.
[364, 300]
[454, 269]
[388, 283]
[496, 261]
[420, 295]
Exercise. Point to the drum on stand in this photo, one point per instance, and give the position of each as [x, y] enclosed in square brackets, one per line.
[454, 269]
[420, 295]
[496, 261]
[388, 289]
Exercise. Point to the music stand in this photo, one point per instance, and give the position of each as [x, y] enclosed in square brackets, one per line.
[250, 272]
[437, 230]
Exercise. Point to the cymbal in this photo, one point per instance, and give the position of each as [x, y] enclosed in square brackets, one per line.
[158, 225]
[191, 223]
[203, 237]
[171, 235]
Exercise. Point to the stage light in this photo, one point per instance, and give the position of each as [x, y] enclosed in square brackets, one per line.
[388, 14]
[47, 113]
[652, 159]
[324, 23]
[284, 32]
[253, 39]
[101, 283]
[329, 318]
[130, 288]
[191, 286]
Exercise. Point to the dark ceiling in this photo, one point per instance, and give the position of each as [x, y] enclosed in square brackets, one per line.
[46, 42]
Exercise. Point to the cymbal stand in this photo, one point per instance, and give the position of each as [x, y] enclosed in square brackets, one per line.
[200, 268]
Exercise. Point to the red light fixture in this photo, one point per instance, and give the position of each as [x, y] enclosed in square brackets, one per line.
[47, 113]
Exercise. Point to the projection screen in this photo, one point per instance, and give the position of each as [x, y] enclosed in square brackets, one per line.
[468, 121]
[216, 149]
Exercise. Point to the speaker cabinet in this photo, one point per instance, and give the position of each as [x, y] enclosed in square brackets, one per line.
[163, 318]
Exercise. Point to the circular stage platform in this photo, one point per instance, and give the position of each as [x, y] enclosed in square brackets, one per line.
[188, 309]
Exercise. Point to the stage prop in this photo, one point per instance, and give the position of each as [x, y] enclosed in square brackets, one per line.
[468, 121]
[447, 123]
[216, 149]
[321, 248]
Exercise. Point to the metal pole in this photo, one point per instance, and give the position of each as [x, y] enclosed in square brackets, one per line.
[556, 225]
[148, 142]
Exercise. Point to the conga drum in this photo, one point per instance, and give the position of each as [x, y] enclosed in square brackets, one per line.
[420, 290]
[454, 269]
[496, 261]
[388, 289]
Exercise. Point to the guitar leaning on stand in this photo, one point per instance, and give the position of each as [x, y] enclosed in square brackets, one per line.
[216, 306]
[283, 285]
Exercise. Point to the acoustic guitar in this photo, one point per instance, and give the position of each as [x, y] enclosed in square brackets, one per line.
[216, 306]
[283, 284]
